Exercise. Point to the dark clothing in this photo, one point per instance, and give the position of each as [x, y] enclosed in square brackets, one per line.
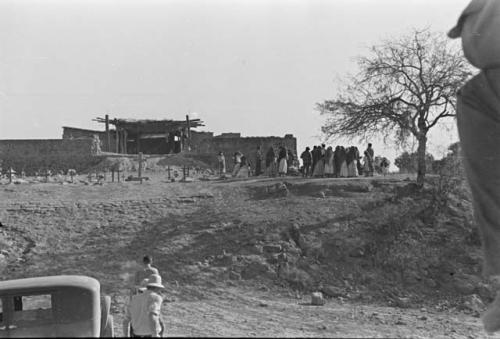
[307, 161]
[290, 158]
[270, 155]
[370, 160]
[258, 163]
[478, 120]
[282, 154]
[316, 155]
[306, 157]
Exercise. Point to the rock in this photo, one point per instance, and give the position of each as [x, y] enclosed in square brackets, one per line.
[357, 252]
[317, 299]
[186, 200]
[294, 232]
[272, 248]
[263, 304]
[224, 260]
[254, 270]
[273, 259]
[465, 287]
[234, 275]
[333, 291]
[474, 304]
[402, 302]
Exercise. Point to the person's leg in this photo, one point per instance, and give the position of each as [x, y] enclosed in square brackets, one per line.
[478, 120]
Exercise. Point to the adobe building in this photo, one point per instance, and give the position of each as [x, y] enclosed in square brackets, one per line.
[81, 149]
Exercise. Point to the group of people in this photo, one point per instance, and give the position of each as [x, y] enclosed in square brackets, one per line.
[321, 161]
[342, 162]
[274, 162]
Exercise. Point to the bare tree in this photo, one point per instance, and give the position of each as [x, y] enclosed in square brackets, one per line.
[404, 88]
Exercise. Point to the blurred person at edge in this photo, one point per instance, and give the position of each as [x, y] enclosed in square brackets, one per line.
[478, 121]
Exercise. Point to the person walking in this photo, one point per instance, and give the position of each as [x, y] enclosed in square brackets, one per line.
[145, 272]
[143, 314]
[306, 162]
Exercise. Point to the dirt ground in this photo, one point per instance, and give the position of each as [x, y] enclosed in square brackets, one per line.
[217, 245]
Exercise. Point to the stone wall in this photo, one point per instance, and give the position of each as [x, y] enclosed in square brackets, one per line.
[229, 143]
[54, 154]
[79, 133]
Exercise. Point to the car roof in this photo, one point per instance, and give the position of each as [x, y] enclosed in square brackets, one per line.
[49, 282]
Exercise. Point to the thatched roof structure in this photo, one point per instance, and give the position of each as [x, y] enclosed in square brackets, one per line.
[151, 126]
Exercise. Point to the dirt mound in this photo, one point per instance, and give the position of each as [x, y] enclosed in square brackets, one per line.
[363, 240]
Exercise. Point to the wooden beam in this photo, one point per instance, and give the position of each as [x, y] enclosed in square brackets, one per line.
[125, 137]
[117, 146]
[108, 144]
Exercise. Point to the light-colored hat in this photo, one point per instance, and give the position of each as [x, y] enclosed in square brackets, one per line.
[154, 280]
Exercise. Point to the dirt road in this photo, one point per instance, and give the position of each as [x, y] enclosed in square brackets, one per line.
[207, 240]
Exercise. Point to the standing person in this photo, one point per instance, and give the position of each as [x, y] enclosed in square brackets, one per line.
[315, 157]
[343, 162]
[258, 162]
[306, 162]
[337, 162]
[271, 162]
[143, 315]
[237, 163]
[290, 158]
[319, 169]
[371, 154]
[366, 164]
[222, 163]
[329, 165]
[478, 112]
[352, 168]
[282, 161]
[144, 273]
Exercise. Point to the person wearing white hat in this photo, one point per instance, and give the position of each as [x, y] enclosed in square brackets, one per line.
[478, 121]
[143, 316]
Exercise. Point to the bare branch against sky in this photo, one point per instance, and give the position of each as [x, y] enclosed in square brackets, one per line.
[243, 66]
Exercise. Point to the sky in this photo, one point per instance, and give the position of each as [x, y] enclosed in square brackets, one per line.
[251, 66]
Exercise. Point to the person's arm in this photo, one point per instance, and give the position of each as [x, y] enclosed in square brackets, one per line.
[126, 322]
[154, 315]
[154, 318]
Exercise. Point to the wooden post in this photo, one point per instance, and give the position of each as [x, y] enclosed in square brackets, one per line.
[118, 171]
[140, 167]
[122, 145]
[11, 171]
[117, 137]
[188, 124]
[168, 171]
[112, 175]
[125, 136]
[108, 138]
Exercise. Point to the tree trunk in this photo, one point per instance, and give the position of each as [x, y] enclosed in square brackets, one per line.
[421, 163]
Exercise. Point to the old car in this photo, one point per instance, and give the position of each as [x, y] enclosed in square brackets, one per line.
[54, 306]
